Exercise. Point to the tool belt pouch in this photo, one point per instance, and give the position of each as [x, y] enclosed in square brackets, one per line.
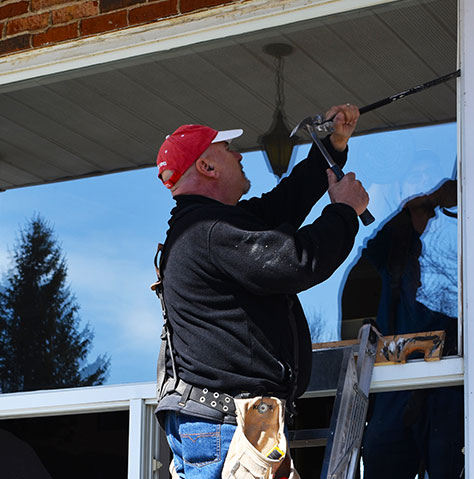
[259, 448]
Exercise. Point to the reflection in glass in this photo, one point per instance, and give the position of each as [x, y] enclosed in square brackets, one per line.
[73, 446]
[404, 276]
[395, 167]
[405, 273]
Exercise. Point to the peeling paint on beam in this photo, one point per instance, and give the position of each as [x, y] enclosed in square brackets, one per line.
[203, 26]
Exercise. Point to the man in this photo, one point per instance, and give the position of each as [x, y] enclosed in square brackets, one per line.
[231, 270]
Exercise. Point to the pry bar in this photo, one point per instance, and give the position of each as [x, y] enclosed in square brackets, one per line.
[410, 91]
[326, 125]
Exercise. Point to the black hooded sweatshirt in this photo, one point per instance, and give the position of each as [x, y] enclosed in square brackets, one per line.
[230, 279]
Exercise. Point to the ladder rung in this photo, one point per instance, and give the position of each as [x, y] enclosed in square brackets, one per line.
[308, 438]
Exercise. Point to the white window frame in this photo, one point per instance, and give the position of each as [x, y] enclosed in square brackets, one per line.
[466, 233]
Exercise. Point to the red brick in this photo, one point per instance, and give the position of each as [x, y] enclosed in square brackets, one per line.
[1, 29]
[109, 5]
[104, 23]
[75, 12]
[186, 6]
[22, 42]
[41, 4]
[56, 34]
[13, 10]
[30, 23]
[152, 11]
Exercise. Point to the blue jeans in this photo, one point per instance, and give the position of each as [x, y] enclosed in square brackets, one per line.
[199, 446]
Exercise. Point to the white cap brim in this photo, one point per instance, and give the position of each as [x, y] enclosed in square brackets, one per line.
[227, 135]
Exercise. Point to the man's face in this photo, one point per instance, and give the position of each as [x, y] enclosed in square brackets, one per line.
[228, 164]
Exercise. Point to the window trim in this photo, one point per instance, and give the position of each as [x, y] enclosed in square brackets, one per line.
[466, 231]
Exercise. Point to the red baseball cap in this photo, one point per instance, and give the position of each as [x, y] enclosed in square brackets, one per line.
[183, 147]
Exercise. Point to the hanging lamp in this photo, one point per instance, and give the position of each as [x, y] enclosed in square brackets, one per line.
[276, 143]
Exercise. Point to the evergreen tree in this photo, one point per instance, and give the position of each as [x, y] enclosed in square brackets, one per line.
[41, 346]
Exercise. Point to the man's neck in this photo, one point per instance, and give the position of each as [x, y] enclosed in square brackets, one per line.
[211, 193]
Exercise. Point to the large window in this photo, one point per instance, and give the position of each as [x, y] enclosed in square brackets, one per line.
[118, 114]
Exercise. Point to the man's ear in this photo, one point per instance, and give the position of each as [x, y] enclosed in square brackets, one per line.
[205, 167]
[166, 175]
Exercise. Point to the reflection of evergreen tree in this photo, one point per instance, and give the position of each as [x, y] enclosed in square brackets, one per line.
[41, 346]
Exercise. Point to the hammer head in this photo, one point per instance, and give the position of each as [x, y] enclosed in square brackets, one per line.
[317, 122]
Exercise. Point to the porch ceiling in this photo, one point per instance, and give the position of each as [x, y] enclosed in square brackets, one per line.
[113, 117]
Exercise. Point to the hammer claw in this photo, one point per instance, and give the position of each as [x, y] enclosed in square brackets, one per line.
[317, 122]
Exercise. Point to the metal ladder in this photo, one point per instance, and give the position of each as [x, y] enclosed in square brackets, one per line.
[343, 438]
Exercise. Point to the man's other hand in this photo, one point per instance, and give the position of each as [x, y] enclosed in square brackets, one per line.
[344, 122]
[349, 191]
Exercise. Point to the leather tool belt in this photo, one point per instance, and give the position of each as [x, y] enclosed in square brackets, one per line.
[215, 400]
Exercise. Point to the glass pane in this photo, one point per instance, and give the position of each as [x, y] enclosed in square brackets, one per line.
[65, 447]
[108, 226]
[408, 256]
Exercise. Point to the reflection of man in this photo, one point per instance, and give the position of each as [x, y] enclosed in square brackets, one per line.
[406, 427]
[231, 271]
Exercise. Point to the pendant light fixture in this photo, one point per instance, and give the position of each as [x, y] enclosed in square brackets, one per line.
[276, 143]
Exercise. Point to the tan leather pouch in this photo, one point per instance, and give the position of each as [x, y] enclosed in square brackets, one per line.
[173, 473]
[259, 448]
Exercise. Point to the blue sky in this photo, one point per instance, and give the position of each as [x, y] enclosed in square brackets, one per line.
[109, 226]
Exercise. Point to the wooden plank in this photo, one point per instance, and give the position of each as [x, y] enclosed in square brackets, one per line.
[336, 344]
[397, 349]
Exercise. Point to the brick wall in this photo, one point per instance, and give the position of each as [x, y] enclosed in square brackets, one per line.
[27, 24]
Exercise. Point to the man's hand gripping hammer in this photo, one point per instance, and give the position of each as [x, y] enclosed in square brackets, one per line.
[313, 124]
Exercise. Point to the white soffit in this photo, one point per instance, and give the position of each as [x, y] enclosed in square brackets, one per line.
[86, 117]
